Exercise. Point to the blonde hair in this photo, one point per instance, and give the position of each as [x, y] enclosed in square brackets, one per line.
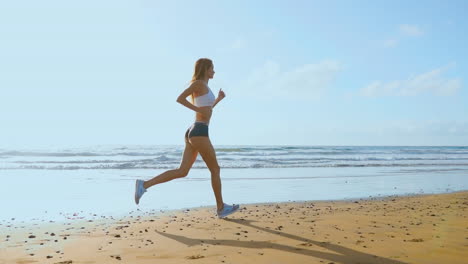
[201, 67]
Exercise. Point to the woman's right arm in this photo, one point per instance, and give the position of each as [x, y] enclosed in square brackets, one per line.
[182, 99]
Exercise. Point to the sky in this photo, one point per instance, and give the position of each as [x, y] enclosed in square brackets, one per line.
[84, 73]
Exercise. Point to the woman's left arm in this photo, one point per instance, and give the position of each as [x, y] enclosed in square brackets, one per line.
[221, 96]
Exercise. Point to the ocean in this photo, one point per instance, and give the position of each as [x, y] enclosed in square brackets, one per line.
[67, 183]
[245, 157]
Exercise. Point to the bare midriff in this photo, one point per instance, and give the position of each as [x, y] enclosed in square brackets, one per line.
[199, 117]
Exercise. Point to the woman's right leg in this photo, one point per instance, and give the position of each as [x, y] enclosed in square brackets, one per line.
[205, 148]
[188, 158]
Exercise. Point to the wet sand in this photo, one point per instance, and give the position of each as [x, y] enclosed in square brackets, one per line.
[392, 230]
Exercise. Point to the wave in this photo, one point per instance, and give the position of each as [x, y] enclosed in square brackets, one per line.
[47, 154]
[71, 154]
[200, 164]
[241, 150]
[163, 157]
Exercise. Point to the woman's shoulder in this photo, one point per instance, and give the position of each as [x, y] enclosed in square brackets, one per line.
[198, 85]
[199, 82]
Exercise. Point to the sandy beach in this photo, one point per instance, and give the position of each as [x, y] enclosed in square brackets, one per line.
[395, 229]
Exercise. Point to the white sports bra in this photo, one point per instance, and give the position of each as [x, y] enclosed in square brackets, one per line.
[205, 100]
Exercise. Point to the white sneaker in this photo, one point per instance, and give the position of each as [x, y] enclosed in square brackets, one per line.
[227, 210]
[139, 190]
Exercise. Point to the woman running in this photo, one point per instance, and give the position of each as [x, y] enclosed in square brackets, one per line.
[196, 137]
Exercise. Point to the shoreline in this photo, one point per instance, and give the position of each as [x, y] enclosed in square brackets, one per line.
[109, 192]
[161, 212]
[421, 228]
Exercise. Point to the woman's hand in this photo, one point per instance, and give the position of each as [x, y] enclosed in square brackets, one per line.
[221, 94]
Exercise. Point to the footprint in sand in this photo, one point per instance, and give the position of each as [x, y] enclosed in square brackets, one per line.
[195, 257]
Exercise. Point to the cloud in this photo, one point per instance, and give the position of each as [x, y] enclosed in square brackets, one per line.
[238, 43]
[409, 132]
[391, 43]
[404, 30]
[411, 30]
[234, 45]
[428, 127]
[429, 82]
[308, 80]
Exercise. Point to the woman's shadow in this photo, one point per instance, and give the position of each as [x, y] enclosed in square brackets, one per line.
[342, 255]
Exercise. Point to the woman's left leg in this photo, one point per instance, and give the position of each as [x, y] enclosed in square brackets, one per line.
[188, 158]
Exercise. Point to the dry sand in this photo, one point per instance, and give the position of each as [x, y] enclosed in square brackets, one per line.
[393, 230]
